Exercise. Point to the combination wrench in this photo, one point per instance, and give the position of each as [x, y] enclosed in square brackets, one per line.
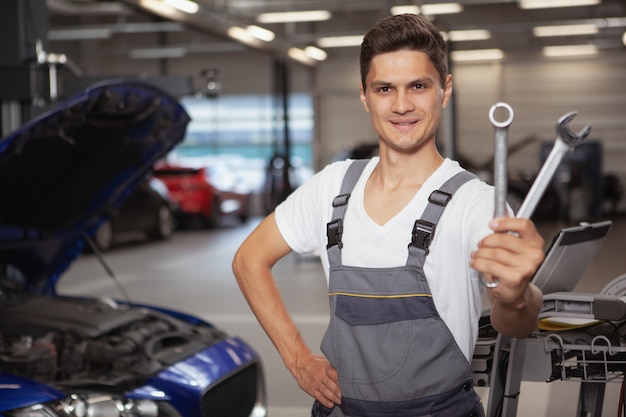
[565, 141]
[500, 166]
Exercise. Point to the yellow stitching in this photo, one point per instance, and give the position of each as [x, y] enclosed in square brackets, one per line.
[379, 296]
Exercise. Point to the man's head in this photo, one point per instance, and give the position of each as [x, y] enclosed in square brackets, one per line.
[405, 31]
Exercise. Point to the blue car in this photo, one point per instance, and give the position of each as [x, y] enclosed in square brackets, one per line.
[62, 175]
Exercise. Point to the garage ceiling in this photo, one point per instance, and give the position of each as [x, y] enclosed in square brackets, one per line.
[510, 26]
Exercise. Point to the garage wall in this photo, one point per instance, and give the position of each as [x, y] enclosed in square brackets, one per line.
[540, 91]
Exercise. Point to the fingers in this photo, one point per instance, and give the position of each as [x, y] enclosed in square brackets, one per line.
[318, 378]
[511, 254]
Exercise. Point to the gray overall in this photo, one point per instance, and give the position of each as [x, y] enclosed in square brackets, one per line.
[395, 356]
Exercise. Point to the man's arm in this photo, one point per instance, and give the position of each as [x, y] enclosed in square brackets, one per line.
[512, 259]
[252, 266]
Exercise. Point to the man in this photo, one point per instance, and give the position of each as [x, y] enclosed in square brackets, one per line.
[405, 295]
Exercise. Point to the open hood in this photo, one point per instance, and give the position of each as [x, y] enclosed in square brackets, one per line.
[64, 172]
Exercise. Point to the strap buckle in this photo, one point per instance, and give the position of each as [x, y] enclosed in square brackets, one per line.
[441, 198]
[334, 231]
[422, 235]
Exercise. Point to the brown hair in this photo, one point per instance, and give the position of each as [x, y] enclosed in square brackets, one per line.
[404, 31]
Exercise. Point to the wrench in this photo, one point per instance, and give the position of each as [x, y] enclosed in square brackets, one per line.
[500, 170]
[565, 141]
[500, 167]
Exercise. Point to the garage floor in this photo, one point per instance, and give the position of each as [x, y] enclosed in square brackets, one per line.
[191, 272]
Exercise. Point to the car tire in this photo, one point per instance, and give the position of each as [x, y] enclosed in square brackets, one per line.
[214, 216]
[164, 227]
[103, 238]
[245, 215]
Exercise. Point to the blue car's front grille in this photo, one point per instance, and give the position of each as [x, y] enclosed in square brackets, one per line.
[235, 396]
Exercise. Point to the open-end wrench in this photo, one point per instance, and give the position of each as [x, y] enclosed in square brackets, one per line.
[500, 166]
[565, 141]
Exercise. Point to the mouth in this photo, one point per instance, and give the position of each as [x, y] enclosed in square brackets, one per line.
[404, 123]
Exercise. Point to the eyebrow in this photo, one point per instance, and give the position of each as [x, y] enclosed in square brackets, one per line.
[422, 80]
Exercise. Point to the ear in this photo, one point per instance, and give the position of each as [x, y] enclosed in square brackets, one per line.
[447, 91]
[363, 98]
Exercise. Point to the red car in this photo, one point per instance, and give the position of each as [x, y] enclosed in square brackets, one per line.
[206, 193]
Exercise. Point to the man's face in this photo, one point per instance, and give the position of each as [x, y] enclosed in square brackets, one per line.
[404, 97]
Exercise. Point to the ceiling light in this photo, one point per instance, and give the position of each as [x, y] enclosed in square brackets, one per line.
[339, 41]
[186, 6]
[477, 55]
[158, 53]
[242, 35]
[624, 38]
[569, 50]
[79, 33]
[468, 35]
[260, 33]
[159, 8]
[395, 10]
[303, 16]
[300, 56]
[441, 8]
[546, 4]
[316, 53]
[565, 30]
[428, 9]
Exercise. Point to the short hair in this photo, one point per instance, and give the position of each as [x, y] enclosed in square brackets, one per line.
[404, 31]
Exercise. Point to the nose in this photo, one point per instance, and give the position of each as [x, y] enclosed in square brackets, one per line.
[402, 103]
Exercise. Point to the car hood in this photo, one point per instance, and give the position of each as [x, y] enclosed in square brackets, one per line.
[62, 173]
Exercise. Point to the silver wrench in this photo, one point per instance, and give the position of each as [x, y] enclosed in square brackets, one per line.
[565, 141]
[500, 166]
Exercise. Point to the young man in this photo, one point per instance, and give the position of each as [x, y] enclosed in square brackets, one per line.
[405, 295]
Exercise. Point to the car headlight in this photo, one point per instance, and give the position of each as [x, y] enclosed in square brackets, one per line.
[97, 405]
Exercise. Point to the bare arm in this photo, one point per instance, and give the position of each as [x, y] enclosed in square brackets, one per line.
[512, 259]
[252, 266]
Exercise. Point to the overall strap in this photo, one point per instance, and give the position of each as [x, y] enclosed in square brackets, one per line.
[334, 228]
[424, 227]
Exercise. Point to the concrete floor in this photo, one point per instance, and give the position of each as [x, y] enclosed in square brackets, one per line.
[191, 272]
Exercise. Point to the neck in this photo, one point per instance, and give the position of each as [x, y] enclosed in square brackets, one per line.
[398, 169]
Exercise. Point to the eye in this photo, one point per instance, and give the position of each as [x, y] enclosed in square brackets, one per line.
[383, 89]
[419, 86]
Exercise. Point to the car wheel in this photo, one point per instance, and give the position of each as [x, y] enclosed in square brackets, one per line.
[245, 215]
[164, 227]
[104, 236]
[214, 217]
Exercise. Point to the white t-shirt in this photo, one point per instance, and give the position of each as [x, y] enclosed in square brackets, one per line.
[456, 288]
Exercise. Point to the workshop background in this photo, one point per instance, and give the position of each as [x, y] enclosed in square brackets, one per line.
[278, 110]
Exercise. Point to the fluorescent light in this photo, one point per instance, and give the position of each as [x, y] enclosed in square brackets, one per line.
[477, 55]
[242, 35]
[411, 9]
[468, 35]
[441, 8]
[261, 33]
[569, 50]
[428, 9]
[315, 53]
[339, 41]
[565, 30]
[79, 33]
[159, 7]
[303, 16]
[186, 6]
[300, 56]
[547, 4]
[158, 53]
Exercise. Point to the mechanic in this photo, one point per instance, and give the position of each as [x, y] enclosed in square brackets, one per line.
[405, 294]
